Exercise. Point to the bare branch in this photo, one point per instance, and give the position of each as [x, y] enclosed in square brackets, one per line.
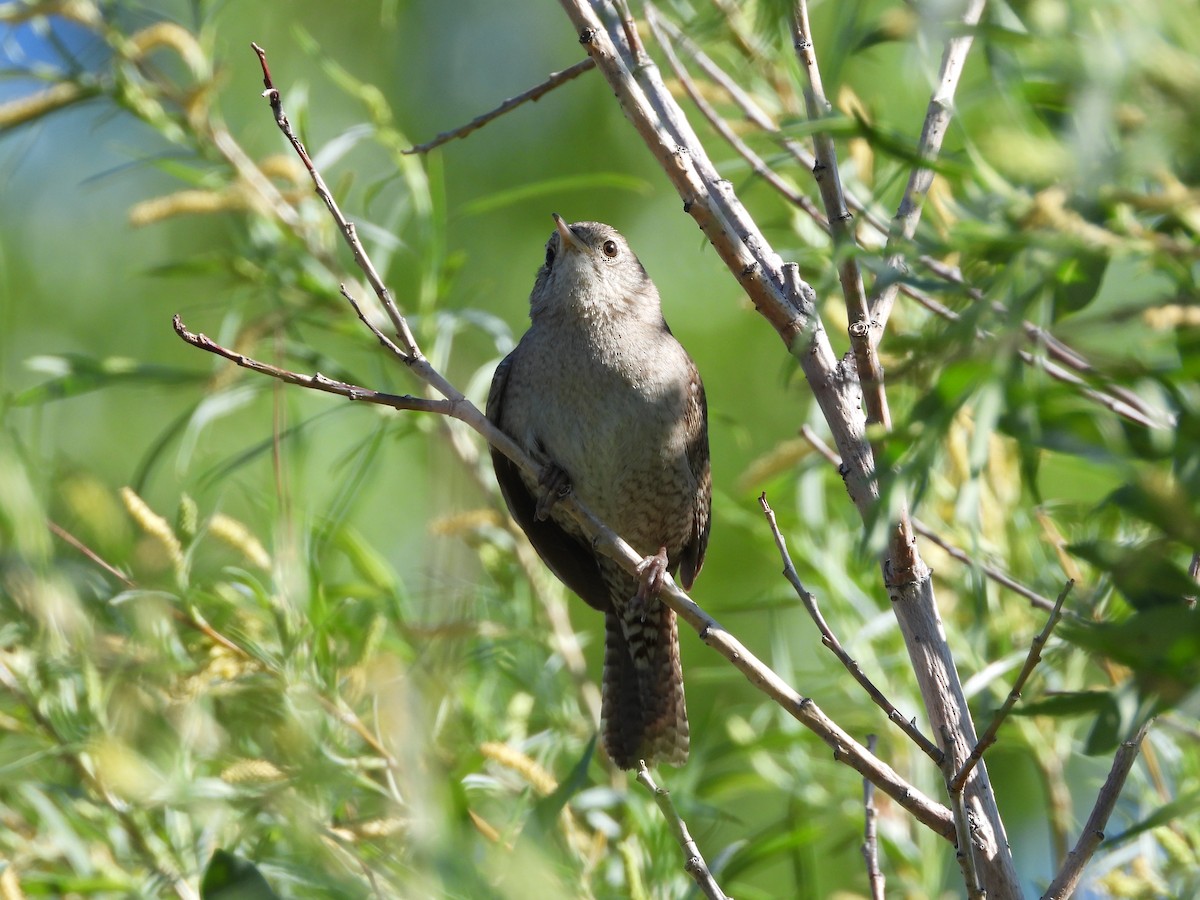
[316, 382]
[829, 639]
[63, 535]
[530, 96]
[870, 846]
[997, 575]
[693, 862]
[1031, 661]
[1067, 880]
[829, 180]
[937, 118]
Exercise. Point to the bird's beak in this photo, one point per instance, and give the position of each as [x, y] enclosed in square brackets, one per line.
[569, 240]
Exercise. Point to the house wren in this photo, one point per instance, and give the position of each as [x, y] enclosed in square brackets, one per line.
[600, 393]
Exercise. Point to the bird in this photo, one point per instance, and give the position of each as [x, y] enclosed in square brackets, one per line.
[612, 409]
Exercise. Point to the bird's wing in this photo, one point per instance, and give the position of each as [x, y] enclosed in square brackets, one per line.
[573, 561]
[692, 558]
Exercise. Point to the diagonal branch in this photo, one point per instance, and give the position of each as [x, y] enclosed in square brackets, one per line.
[1031, 661]
[937, 118]
[1067, 879]
[829, 181]
[693, 862]
[530, 96]
[829, 639]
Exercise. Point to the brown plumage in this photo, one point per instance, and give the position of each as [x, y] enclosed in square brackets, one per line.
[601, 394]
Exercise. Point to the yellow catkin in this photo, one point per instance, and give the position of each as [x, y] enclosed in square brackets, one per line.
[26, 109]
[176, 37]
[252, 771]
[155, 526]
[1162, 318]
[236, 535]
[186, 203]
[539, 779]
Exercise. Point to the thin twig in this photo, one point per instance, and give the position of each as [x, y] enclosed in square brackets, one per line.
[756, 163]
[997, 575]
[965, 851]
[317, 381]
[349, 232]
[870, 846]
[829, 639]
[1034, 657]
[693, 861]
[933, 131]
[829, 181]
[66, 536]
[530, 96]
[1067, 879]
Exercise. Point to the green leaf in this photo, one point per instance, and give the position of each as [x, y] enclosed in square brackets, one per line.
[1077, 281]
[229, 877]
[545, 811]
[1183, 806]
[1066, 704]
[76, 374]
[1146, 573]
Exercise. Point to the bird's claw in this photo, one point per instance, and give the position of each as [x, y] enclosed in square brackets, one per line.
[554, 485]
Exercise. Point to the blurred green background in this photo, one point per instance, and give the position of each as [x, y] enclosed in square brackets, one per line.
[338, 563]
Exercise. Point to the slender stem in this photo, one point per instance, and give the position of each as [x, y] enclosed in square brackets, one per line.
[1031, 661]
[693, 861]
[829, 180]
[937, 118]
[530, 96]
[1067, 879]
[829, 639]
[870, 846]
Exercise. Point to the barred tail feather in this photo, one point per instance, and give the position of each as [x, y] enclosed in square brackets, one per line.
[643, 710]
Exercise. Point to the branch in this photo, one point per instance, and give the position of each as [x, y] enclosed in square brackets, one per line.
[1067, 880]
[829, 180]
[940, 111]
[317, 381]
[830, 640]
[530, 96]
[870, 847]
[693, 862]
[1031, 661]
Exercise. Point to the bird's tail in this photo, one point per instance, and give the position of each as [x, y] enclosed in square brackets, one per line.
[643, 711]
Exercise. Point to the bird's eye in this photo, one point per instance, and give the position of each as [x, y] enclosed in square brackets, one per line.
[610, 249]
[549, 255]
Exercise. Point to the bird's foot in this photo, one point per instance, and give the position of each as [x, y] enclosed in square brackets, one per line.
[651, 571]
[554, 485]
